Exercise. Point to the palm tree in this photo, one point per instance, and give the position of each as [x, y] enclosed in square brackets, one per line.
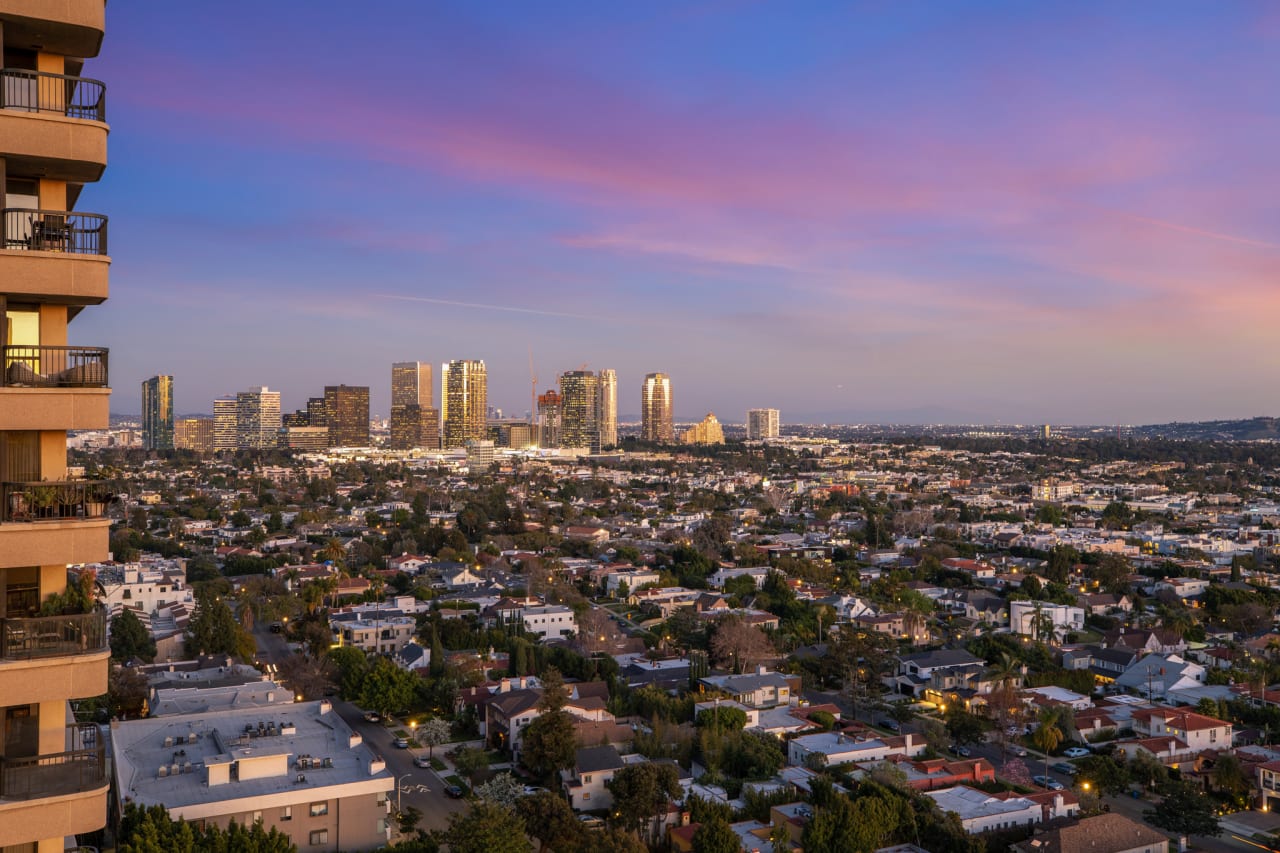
[1047, 735]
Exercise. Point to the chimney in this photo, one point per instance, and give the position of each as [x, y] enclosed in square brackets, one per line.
[504, 686]
[908, 737]
[761, 669]
[520, 684]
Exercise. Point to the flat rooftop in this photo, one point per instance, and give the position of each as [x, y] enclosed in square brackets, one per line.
[198, 764]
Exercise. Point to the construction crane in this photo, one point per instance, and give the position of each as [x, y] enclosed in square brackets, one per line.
[533, 397]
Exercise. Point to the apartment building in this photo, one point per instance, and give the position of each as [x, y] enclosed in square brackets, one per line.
[297, 768]
[53, 265]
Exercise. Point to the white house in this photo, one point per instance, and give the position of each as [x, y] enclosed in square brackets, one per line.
[983, 812]
[757, 573]
[1064, 617]
[832, 748]
[549, 621]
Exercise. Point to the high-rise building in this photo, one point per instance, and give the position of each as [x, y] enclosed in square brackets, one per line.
[317, 413]
[580, 409]
[608, 408]
[194, 434]
[54, 265]
[706, 431]
[157, 413]
[762, 423]
[464, 402]
[411, 384]
[415, 426]
[549, 419]
[224, 423]
[656, 422]
[257, 418]
[347, 410]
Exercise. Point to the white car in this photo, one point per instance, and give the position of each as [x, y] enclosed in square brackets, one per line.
[1075, 752]
[1019, 751]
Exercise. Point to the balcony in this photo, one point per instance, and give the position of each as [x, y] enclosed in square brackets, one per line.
[54, 367]
[55, 794]
[50, 658]
[27, 229]
[66, 27]
[55, 94]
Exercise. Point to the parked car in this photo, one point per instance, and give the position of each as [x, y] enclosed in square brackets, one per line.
[276, 627]
[530, 790]
[891, 725]
[1046, 782]
[402, 743]
[421, 761]
[372, 716]
[1075, 752]
[454, 791]
[590, 820]
[963, 751]
[1064, 767]
[1019, 751]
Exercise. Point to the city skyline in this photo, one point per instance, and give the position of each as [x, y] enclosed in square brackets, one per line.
[978, 214]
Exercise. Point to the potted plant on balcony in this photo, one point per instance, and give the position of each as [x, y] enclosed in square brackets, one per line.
[43, 500]
[97, 494]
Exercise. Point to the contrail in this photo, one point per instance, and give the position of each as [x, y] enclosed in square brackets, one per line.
[486, 307]
[1213, 235]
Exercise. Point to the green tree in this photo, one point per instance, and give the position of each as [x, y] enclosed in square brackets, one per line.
[847, 826]
[965, 727]
[716, 836]
[548, 818]
[550, 743]
[213, 629]
[1230, 776]
[725, 719]
[1105, 774]
[130, 639]
[151, 830]
[1146, 770]
[1184, 811]
[641, 791]
[436, 666]
[486, 828]
[386, 687]
[1047, 735]
[352, 665]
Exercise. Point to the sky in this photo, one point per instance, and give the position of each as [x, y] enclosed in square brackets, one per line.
[979, 212]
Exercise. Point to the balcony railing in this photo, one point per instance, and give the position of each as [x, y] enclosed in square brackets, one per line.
[53, 636]
[54, 367]
[53, 231]
[60, 94]
[53, 500]
[83, 767]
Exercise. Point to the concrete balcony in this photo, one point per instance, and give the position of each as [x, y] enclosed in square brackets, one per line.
[53, 125]
[56, 794]
[49, 658]
[54, 388]
[54, 277]
[66, 27]
[55, 542]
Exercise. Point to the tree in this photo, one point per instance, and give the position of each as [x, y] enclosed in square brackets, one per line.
[1184, 811]
[739, 645]
[1147, 770]
[434, 732]
[310, 677]
[1106, 774]
[130, 640]
[352, 665]
[1230, 776]
[126, 692]
[436, 666]
[548, 818]
[386, 687]
[486, 828]
[151, 830]
[641, 791]
[470, 761]
[935, 734]
[550, 742]
[1047, 735]
[846, 826]
[716, 836]
[965, 727]
[213, 629]
[502, 790]
[727, 719]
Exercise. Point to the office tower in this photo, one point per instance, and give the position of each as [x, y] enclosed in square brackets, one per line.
[347, 410]
[317, 414]
[549, 419]
[157, 413]
[480, 455]
[580, 409]
[608, 408]
[306, 438]
[518, 435]
[257, 418]
[655, 409]
[415, 426]
[706, 431]
[762, 423]
[194, 434]
[224, 424]
[296, 418]
[464, 402]
[54, 265]
[411, 384]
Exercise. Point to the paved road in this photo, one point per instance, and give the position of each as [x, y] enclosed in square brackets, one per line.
[434, 805]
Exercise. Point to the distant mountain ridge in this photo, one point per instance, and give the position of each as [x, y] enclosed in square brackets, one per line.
[1251, 429]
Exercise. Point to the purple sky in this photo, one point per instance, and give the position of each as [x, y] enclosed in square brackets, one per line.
[1029, 212]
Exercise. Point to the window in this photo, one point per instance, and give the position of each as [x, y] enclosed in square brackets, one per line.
[319, 836]
[318, 809]
[1213, 735]
[287, 813]
[257, 817]
[586, 780]
[586, 795]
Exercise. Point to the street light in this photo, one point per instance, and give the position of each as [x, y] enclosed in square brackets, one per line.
[413, 730]
[400, 790]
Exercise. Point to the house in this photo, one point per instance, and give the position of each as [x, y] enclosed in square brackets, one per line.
[761, 689]
[936, 772]
[1100, 604]
[1268, 778]
[984, 607]
[633, 579]
[408, 563]
[1159, 641]
[584, 785]
[1156, 674]
[459, 578]
[1167, 750]
[915, 671]
[1106, 664]
[899, 626]
[976, 570]
[549, 621]
[1198, 731]
[1105, 833]
[982, 812]
[758, 574]
[590, 534]
[1028, 617]
[833, 748]
[413, 657]
[1183, 587]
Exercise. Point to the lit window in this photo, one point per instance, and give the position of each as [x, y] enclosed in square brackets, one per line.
[318, 809]
[287, 814]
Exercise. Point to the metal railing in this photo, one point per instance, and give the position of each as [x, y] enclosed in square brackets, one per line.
[53, 231]
[54, 367]
[61, 94]
[53, 636]
[53, 500]
[83, 767]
